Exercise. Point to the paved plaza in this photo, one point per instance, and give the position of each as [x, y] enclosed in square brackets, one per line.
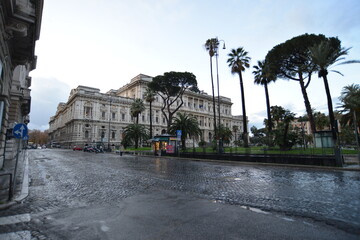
[80, 195]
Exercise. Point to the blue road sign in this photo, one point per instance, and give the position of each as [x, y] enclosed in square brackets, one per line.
[178, 133]
[20, 131]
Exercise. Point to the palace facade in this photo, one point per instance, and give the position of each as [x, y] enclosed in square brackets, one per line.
[91, 117]
[20, 23]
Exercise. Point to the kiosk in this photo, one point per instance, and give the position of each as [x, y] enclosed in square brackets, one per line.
[165, 144]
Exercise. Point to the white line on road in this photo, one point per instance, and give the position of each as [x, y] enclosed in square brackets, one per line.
[15, 219]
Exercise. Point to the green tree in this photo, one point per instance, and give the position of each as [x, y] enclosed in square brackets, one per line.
[211, 46]
[347, 136]
[291, 61]
[350, 107]
[262, 77]
[150, 97]
[350, 98]
[188, 126]
[135, 133]
[238, 61]
[224, 133]
[277, 114]
[321, 120]
[171, 87]
[324, 55]
[258, 135]
[136, 108]
[284, 137]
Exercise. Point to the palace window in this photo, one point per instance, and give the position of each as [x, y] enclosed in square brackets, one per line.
[87, 112]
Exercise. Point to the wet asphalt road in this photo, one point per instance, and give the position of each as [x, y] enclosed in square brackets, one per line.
[77, 195]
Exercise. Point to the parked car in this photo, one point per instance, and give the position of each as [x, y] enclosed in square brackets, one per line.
[89, 149]
[98, 150]
[75, 148]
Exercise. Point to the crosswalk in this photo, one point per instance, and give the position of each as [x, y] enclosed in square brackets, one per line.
[19, 235]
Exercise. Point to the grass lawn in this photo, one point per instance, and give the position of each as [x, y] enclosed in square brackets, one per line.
[262, 150]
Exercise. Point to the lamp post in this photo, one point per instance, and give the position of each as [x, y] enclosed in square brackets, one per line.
[110, 100]
[221, 149]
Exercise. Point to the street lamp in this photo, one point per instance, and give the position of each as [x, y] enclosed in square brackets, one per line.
[221, 150]
[110, 100]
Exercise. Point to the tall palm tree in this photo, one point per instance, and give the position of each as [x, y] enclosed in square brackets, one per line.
[150, 97]
[188, 125]
[211, 46]
[238, 61]
[263, 78]
[136, 108]
[324, 55]
[350, 98]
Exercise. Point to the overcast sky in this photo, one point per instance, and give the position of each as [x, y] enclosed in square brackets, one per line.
[105, 43]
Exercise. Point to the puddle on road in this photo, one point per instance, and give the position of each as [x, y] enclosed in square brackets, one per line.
[288, 219]
[257, 210]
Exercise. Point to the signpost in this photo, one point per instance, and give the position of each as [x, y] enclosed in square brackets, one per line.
[178, 134]
[20, 131]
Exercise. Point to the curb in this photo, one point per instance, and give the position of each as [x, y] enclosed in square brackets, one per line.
[24, 193]
[356, 169]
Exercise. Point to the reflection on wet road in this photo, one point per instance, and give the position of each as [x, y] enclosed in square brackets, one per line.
[67, 179]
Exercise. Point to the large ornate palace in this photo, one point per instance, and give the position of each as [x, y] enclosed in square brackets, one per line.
[91, 117]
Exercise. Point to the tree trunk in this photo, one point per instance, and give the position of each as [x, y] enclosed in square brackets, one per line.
[136, 142]
[213, 93]
[218, 89]
[307, 104]
[245, 135]
[330, 108]
[169, 121]
[150, 120]
[268, 107]
[183, 143]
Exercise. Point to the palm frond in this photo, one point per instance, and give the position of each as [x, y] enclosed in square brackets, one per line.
[337, 72]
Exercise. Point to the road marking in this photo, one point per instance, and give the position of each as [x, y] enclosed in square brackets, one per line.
[21, 235]
[15, 219]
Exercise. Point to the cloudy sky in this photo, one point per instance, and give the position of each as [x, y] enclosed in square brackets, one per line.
[105, 43]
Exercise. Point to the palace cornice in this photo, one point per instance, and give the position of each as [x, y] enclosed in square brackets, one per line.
[22, 29]
[131, 85]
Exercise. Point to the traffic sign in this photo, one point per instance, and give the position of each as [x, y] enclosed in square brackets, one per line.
[178, 134]
[20, 131]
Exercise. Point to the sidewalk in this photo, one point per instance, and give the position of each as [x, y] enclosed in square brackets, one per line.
[351, 161]
[24, 190]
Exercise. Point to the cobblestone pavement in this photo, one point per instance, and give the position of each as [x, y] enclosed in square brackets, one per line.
[64, 179]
